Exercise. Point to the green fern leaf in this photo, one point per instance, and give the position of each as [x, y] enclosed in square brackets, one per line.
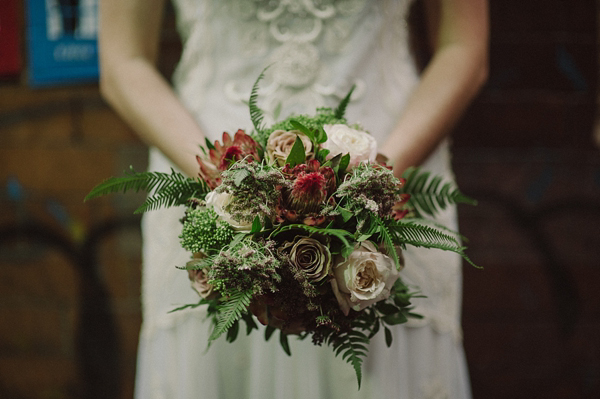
[419, 235]
[169, 189]
[256, 114]
[230, 312]
[352, 347]
[429, 196]
[388, 241]
[341, 108]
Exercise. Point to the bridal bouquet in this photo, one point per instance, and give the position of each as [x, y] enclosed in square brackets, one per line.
[300, 227]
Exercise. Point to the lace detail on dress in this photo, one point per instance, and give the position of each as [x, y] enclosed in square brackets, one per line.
[296, 36]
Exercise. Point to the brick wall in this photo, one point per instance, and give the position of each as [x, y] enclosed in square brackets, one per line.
[70, 272]
[525, 150]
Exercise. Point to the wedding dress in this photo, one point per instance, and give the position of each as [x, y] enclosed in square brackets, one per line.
[316, 49]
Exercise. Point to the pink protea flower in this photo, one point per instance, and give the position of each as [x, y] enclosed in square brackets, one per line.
[311, 189]
[224, 155]
[397, 211]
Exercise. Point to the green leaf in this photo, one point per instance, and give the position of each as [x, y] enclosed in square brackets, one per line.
[189, 306]
[363, 237]
[387, 308]
[376, 327]
[321, 135]
[256, 225]
[341, 108]
[209, 145]
[250, 323]
[297, 155]
[299, 126]
[283, 340]
[334, 162]
[344, 213]
[388, 336]
[344, 162]
[233, 331]
[394, 319]
[269, 332]
[230, 311]
[341, 235]
[322, 155]
[238, 238]
[239, 176]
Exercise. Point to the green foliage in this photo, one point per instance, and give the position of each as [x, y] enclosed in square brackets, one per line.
[314, 123]
[297, 154]
[283, 341]
[256, 114]
[166, 189]
[203, 231]
[352, 345]
[230, 311]
[341, 109]
[430, 195]
[340, 234]
[387, 239]
[419, 235]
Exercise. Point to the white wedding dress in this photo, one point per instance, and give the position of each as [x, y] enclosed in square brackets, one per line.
[316, 49]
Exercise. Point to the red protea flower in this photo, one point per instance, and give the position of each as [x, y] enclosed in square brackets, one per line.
[397, 211]
[224, 155]
[311, 188]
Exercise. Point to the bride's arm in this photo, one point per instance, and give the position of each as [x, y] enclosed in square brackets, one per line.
[128, 38]
[456, 72]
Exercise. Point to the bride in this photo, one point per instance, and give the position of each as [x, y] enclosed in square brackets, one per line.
[317, 49]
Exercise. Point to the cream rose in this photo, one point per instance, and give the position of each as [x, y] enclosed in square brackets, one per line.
[342, 139]
[199, 278]
[219, 202]
[364, 278]
[280, 144]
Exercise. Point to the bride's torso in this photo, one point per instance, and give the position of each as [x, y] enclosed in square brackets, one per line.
[316, 49]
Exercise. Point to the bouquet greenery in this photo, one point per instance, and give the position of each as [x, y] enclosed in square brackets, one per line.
[299, 226]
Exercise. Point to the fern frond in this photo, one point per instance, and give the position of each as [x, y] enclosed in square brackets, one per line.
[352, 346]
[256, 114]
[156, 182]
[419, 235]
[430, 195]
[167, 197]
[230, 312]
[341, 108]
[388, 241]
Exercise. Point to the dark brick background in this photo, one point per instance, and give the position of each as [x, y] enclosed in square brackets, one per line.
[70, 272]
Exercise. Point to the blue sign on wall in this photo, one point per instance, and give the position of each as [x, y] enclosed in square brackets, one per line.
[62, 42]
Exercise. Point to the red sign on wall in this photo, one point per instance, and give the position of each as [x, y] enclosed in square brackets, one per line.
[10, 60]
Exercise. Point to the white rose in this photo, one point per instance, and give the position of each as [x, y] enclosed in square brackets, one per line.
[342, 139]
[219, 202]
[280, 145]
[364, 278]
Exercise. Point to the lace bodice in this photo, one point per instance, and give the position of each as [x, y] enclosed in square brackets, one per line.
[316, 49]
